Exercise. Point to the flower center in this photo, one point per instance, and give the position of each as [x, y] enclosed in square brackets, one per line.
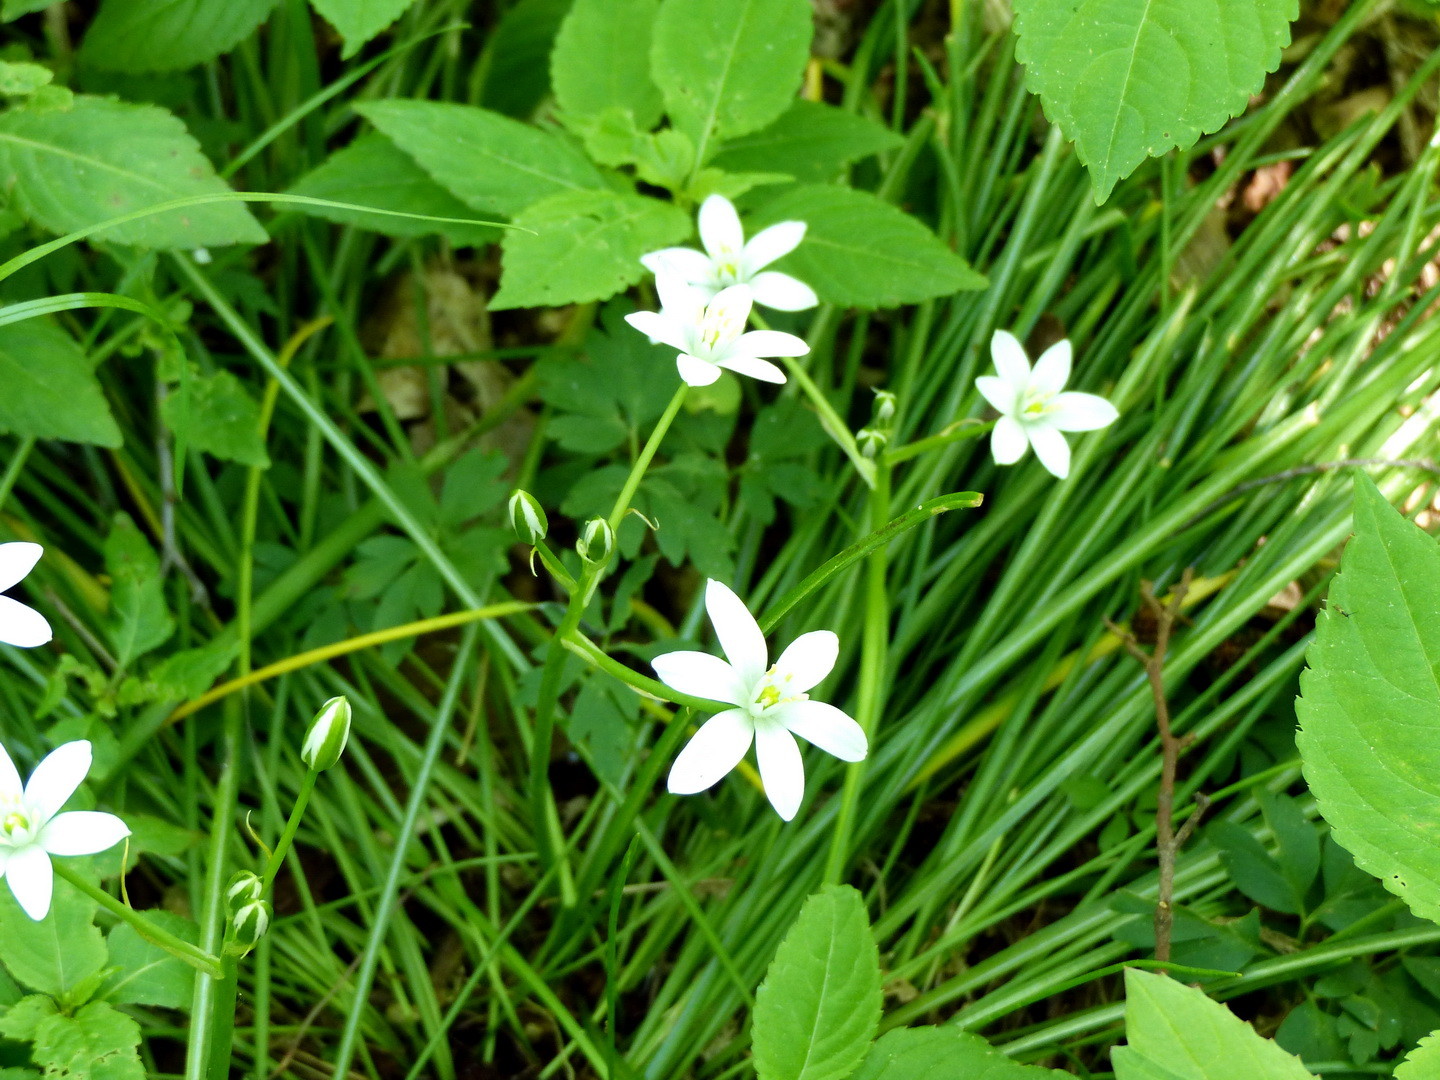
[15, 825]
[719, 326]
[774, 689]
[728, 268]
[1035, 404]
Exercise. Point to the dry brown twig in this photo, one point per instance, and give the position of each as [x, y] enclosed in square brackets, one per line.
[1168, 841]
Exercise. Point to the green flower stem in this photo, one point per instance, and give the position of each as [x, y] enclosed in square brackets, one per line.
[875, 645]
[647, 454]
[961, 429]
[197, 958]
[277, 857]
[583, 647]
[555, 566]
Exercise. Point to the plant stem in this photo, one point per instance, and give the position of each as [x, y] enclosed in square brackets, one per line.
[198, 958]
[647, 454]
[292, 826]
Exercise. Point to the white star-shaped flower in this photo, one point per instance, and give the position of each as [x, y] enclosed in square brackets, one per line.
[20, 625]
[772, 706]
[710, 333]
[32, 828]
[728, 260]
[1034, 405]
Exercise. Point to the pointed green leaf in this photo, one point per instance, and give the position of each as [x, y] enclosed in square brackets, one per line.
[860, 251]
[163, 35]
[1175, 1032]
[487, 160]
[1369, 702]
[59, 952]
[942, 1053]
[139, 618]
[216, 414]
[818, 1008]
[727, 69]
[810, 142]
[357, 21]
[1422, 1063]
[1127, 79]
[50, 387]
[97, 1043]
[101, 158]
[583, 245]
[146, 974]
[602, 60]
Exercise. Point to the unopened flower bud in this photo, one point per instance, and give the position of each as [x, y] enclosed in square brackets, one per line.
[884, 408]
[329, 731]
[597, 542]
[871, 442]
[244, 889]
[247, 928]
[527, 517]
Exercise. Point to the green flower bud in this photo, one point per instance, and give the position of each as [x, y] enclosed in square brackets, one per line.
[597, 542]
[527, 517]
[247, 928]
[885, 404]
[244, 889]
[871, 442]
[329, 731]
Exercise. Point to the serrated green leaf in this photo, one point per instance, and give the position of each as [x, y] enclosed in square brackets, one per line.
[810, 141]
[357, 21]
[139, 619]
[101, 158]
[942, 1053]
[56, 954]
[373, 171]
[860, 251]
[729, 69]
[1127, 79]
[601, 60]
[1369, 699]
[23, 79]
[1175, 1032]
[50, 387]
[819, 1006]
[1422, 1063]
[517, 55]
[97, 1043]
[583, 245]
[145, 973]
[216, 414]
[487, 160]
[163, 35]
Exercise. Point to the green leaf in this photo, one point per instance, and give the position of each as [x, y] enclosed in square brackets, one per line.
[583, 245]
[517, 55]
[13, 9]
[163, 35]
[97, 1043]
[146, 974]
[1368, 739]
[1253, 869]
[101, 158]
[23, 79]
[818, 1008]
[1175, 1032]
[860, 251]
[139, 619]
[357, 21]
[216, 414]
[601, 59]
[1422, 1063]
[58, 953]
[487, 160]
[50, 387]
[373, 171]
[942, 1053]
[810, 141]
[728, 69]
[1127, 79]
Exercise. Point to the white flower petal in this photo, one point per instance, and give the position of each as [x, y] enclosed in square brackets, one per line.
[781, 292]
[807, 660]
[753, 366]
[17, 559]
[768, 343]
[770, 244]
[1052, 370]
[711, 752]
[31, 880]
[21, 625]
[694, 266]
[1008, 441]
[780, 767]
[738, 632]
[1010, 359]
[679, 300]
[1051, 448]
[824, 726]
[720, 230]
[56, 778]
[730, 310]
[1076, 411]
[82, 832]
[696, 372]
[700, 674]
[659, 327]
[995, 390]
[10, 785]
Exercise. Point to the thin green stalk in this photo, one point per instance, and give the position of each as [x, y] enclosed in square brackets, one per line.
[292, 826]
